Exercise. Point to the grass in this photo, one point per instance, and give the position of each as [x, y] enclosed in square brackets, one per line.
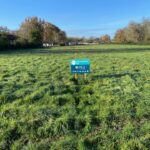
[43, 107]
[101, 47]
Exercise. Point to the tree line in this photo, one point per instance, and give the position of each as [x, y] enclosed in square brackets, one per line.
[134, 33]
[32, 33]
[91, 40]
[35, 32]
[137, 33]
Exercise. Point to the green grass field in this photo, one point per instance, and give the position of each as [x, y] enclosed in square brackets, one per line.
[101, 47]
[42, 107]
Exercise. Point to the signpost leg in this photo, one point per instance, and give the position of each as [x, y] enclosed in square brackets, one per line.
[84, 76]
[76, 76]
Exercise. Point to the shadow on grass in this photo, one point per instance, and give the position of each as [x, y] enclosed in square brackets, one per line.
[123, 50]
[119, 75]
[48, 51]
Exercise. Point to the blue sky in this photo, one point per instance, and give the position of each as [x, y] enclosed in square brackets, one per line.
[76, 17]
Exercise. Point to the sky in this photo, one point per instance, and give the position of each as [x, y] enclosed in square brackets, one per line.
[78, 18]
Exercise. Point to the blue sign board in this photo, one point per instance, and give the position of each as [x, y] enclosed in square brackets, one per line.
[80, 66]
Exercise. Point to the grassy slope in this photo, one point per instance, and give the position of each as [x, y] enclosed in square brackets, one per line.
[103, 48]
[42, 107]
[100, 47]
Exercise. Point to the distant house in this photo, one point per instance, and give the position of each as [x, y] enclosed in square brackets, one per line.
[48, 44]
[12, 38]
[72, 43]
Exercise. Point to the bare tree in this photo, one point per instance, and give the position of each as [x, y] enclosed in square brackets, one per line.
[120, 36]
[134, 33]
[32, 31]
[146, 30]
[105, 39]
